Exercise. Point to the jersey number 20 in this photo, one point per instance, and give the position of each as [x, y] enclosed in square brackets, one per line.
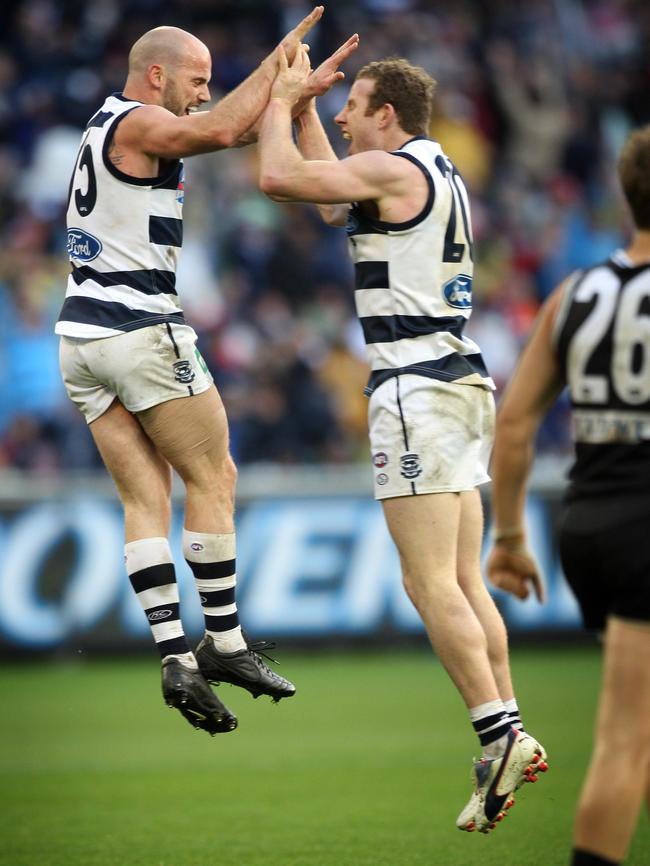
[453, 250]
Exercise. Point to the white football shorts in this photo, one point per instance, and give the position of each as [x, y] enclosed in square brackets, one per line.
[429, 436]
[142, 368]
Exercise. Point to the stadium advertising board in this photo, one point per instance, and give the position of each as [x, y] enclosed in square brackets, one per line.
[308, 568]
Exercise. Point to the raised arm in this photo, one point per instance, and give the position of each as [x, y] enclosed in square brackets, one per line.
[320, 80]
[313, 143]
[287, 176]
[155, 131]
[532, 390]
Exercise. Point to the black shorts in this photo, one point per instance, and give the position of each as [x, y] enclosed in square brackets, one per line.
[605, 554]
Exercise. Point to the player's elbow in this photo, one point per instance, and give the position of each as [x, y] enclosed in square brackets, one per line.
[219, 139]
[225, 137]
[273, 185]
[515, 429]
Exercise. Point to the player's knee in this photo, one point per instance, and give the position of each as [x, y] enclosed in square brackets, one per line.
[471, 581]
[620, 754]
[425, 584]
[226, 481]
[165, 494]
[626, 726]
[230, 473]
[223, 476]
[430, 596]
[212, 478]
[410, 587]
[150, 503]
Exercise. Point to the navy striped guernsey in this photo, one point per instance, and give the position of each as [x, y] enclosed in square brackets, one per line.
[124, 238]
[413, 281]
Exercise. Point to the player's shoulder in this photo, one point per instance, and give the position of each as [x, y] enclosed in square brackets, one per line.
[141, 119]
[116, 104]
[377, 166]
[426, 151]
[426, 154]
[617, 264]
[421, 144]
[558, 306]
[143, 112]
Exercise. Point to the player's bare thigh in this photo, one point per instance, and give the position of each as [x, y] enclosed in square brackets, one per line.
[470, 538]
[425, 530]
[142, 476]
[192, 434]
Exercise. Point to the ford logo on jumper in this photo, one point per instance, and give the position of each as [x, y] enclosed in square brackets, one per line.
[458, 292]
[83, 246]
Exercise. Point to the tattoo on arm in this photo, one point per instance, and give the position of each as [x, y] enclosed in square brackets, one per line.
[114, 155]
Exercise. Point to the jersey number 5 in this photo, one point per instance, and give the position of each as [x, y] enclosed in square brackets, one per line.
[86, 201]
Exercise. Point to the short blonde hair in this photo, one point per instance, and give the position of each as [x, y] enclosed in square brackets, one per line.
[409, 89]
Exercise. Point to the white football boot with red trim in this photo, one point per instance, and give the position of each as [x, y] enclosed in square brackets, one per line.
[496, 780]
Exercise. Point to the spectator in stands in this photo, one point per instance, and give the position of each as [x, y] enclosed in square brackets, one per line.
[55, 61]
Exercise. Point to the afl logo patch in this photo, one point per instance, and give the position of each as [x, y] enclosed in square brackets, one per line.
[410, 464]
[382, 479]
[379, 459]
[83, 246]
[458, 292]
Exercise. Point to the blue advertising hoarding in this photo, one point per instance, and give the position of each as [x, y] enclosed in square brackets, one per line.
[308, 567]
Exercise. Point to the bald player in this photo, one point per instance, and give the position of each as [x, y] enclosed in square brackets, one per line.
[129, 360]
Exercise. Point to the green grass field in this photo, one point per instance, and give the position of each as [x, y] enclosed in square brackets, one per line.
[367, 766]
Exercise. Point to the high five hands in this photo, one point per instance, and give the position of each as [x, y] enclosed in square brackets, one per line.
[290, 82]
[328, 73]
[293, 40]
[325, 76]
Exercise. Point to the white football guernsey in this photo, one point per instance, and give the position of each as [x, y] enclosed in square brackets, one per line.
[413, 290]
[124, 238]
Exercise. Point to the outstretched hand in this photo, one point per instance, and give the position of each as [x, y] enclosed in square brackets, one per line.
[290, 81]
[328, 73]
[293, 39]
[515, 570]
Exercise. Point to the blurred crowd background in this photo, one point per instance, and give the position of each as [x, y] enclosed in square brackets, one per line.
[534, 100]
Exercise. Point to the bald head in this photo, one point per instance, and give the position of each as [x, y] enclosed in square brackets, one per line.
[166, 46]
[169, 67]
